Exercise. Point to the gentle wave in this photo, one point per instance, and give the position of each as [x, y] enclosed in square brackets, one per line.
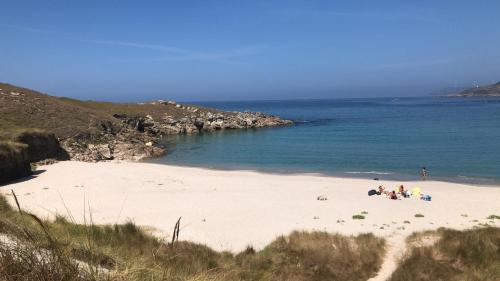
[370, 172]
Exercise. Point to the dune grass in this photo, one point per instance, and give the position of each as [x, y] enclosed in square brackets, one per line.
[457, 255]
[14, 161]
[9, 147]
[62, 250]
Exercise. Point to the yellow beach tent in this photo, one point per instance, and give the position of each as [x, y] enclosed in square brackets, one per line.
[415, 191]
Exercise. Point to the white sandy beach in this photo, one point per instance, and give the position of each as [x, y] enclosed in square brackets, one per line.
[228, 210]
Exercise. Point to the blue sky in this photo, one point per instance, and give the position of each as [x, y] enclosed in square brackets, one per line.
[234, 50]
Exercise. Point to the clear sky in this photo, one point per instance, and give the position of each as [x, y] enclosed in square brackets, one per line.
[233, 50]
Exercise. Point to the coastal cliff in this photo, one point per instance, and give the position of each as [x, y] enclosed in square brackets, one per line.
[94, 131]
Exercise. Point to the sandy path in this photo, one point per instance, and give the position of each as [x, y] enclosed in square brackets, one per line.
[228, 210]
[396, 248]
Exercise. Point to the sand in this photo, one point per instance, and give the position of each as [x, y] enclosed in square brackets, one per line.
[228, 210]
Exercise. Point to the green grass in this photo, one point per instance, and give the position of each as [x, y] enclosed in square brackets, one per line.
[457, 255]
[132, 254]
[131, 109]
[32, 109]
[358, 217]
[419, 215]
[493, 217]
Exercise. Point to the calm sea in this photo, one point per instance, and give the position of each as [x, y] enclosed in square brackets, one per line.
[457, 139]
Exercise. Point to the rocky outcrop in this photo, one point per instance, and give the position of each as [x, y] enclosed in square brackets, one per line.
[127, 144]
[14, 161]
[197, 121]
[139, 135]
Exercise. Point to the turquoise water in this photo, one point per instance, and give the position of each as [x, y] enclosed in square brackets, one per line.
[457, 139]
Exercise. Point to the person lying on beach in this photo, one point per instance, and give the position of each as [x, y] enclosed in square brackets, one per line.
[392, 195]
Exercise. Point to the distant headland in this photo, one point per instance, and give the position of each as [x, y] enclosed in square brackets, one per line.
[36, 127]
[492, 90]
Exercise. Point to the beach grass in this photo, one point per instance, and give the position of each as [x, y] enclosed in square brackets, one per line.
[63, 250]
[457, 255]
[8, 148]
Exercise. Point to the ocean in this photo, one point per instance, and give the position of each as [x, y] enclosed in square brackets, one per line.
[457, 139]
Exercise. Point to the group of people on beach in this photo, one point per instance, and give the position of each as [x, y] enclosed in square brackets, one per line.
[401, 192]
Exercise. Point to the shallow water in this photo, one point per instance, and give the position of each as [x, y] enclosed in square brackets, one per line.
[457, 139]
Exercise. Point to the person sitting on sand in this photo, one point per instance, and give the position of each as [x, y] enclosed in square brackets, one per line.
[403, 191]
[381, 190]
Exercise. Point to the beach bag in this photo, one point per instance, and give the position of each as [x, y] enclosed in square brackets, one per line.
[372, 192]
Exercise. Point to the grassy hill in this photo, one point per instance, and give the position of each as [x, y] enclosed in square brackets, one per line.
[23, 108]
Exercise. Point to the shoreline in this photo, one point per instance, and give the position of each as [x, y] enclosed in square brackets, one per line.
[366, 175]
[229, 210]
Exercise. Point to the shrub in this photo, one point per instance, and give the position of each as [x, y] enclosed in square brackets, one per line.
[458, 255]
